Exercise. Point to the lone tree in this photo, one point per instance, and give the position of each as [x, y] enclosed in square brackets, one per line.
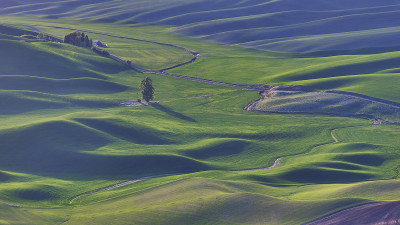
[147, 89]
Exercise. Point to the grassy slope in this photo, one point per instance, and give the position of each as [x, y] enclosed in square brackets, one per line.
[88, 130]
[282, 25]
[357, 71]
[328, 103]
[142, 54]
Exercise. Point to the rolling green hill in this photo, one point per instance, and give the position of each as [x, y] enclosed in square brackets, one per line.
[66, 141]
[282, 25]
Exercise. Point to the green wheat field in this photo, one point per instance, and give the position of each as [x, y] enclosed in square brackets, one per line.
[64, 135]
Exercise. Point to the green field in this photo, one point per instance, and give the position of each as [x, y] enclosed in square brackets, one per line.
[63, 131]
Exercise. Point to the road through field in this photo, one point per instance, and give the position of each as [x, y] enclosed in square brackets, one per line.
[157, 176]
[276, 164]
[251, 87]
[375, 213]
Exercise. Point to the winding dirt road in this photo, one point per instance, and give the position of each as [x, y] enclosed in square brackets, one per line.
[333, 136]
[276, 164]
[112, 35]
[157, 176]
[374, 213]
[251, 87]
[120, 185]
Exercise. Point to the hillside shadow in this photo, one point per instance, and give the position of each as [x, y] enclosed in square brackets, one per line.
[60, 86]
[62, 148]
[219, 150]
[170, 112]
[10, 104]
[4, 177]
[339, 165]
[351, 69]
[46, 64]
[321, 176]
[34, 195]
[364, 159]
[360, 51]
[60, 163]
[135, 134]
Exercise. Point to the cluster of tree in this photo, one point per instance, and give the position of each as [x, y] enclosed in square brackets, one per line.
[147, 89]
[46, 37]
[100, 51]
[78, 38]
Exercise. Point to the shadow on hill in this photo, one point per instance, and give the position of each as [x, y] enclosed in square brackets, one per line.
[137, 134]
[34, 195]
[58, 163]
[170, 112]
[262, 136]
[363, 159]
[39, 60]
[4, 177]
[11, 104]
[14, 31]
[222, 149]
[361, 51]
[339, 165]
[54, 135]
[321, 176]
[60, 86]
[352, 69]
[60, 148]
[21, 102]
[351, 147]
[330, 84]
[264, 179]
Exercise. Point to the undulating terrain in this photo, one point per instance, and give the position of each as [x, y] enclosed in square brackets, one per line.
[288, 112]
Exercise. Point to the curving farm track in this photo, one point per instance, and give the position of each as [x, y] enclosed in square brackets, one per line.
[251, 87]
[157, 176]
[374, 213]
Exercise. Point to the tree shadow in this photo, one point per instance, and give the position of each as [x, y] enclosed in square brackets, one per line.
[170, 112]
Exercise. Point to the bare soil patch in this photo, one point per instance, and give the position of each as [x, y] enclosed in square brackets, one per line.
[204, 96]
[135, 103]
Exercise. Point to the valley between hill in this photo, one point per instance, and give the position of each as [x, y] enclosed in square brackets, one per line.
[71, 154]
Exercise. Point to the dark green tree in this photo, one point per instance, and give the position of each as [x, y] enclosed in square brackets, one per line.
[78, 38]
[87, 42]
[147, 89]
[41, 35]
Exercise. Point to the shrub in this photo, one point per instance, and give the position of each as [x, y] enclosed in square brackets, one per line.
[100, 51]
[46, 37]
